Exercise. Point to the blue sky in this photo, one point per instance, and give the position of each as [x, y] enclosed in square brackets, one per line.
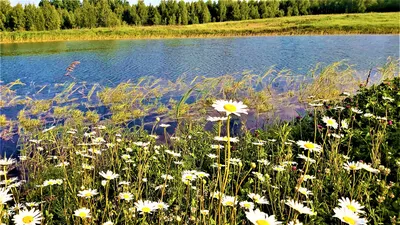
[14, 2]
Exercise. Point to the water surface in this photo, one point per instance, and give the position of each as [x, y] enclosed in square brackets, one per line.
[113, 61]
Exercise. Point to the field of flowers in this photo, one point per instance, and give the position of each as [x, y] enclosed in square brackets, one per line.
[337, 163]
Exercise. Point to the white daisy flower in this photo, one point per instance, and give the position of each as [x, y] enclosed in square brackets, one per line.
[230, 107]
[352, 205]
[349, 217]
[88, 193]
[299, 207]
[83, 213]
[145, 206]
[109, 175]
[125, 196]
[309, 146]
[352, 166]
[28, 217]
[330, 122]
[260, 218]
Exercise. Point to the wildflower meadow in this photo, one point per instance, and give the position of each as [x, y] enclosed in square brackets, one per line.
[218, 159]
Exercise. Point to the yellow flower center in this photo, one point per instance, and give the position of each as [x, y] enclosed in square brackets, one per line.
[247, 205]
[126, 196]
[330, 122]
[82, 214]
[229, 203]
[349, 220]
[353, 167]
[146, 209]
[27, 219]
[262, 222]
[351, 207]
[88, 194]
[189, 177]
[309, 145]
[230, 108]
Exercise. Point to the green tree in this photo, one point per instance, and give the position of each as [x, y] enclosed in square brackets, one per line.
[222, 10]
[106, 17]
[5, 8]
[67, 19]
[142, 12]
[205, 13]
[51, 17]
[183, 13]
[244, 10]
[17, 18]
[30, 15]
[87, 16]
[236, 14]
[154, 16]
[71, 5]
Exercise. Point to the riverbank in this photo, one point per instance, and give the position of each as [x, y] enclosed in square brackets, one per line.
[369, 23]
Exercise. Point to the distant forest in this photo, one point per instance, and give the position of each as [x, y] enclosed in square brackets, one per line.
[69, 14]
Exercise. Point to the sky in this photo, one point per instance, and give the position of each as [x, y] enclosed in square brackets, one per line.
[36, 2]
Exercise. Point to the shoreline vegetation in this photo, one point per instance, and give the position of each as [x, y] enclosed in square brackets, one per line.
[366, 23]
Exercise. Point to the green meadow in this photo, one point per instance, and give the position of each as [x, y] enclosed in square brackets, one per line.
[367, 23]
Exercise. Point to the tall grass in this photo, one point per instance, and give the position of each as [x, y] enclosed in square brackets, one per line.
[186, 168]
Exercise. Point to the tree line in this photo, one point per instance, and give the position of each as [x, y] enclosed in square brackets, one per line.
[69, 14]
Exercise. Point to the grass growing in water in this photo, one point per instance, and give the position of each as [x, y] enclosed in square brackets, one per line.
[368, 23]
[92, 170]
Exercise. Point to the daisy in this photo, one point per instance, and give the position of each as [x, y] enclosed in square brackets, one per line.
[229, 201]
[202, 174]
[264, 162]
[260, 218]
[145, 206]
[258, 199]
[88, 193]
[167, 177]
[28, 217]
[109, 175]
[5, 196]
[212, 156]
[108, 223]
[204, 212]
[347, 216]
[307, 159]
[214, 119]
[304, 191]
[164, 125]
[83, 213]
[309, 146]
[125, 196]
[299, 207]
[356, 110]
[247, 205]
[7, 162]
[352, 166]
[230, 107]
[217, 146]
[352, 205]
[260, 176]
[369, 168]
[388, 99]
[162, 205]
[279, 168]
[297, 222]
[330, 122]
[231, 139]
